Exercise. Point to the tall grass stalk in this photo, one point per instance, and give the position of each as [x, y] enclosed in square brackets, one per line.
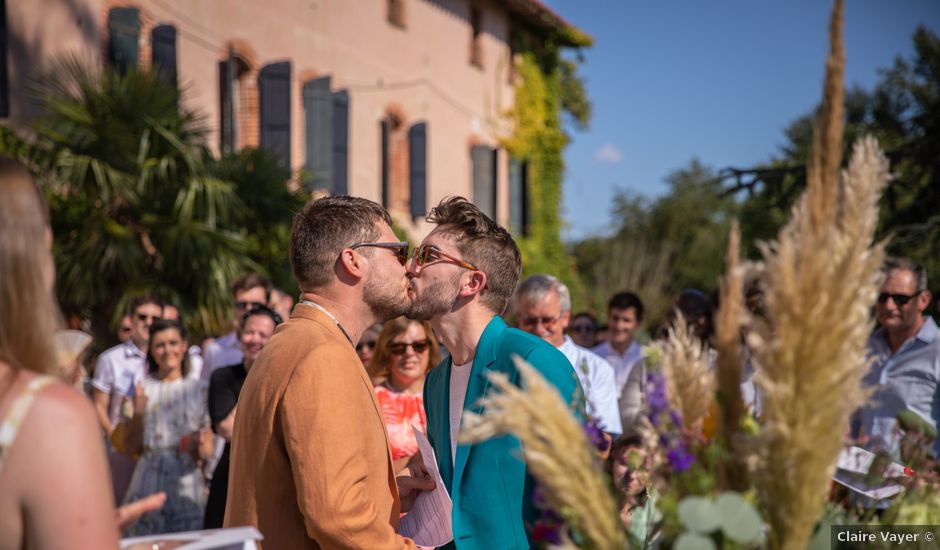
[821, 277]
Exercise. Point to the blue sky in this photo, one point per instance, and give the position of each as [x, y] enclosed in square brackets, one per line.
[715, 79]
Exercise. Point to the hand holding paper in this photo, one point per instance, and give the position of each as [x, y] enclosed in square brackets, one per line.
[428, 522]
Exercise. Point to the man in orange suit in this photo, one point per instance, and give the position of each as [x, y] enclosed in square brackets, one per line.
[310, 462]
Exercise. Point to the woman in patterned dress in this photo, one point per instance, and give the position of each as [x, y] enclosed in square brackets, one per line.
[405, 352]
[169, 430]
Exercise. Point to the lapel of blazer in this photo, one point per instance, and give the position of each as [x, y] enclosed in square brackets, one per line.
[483, 363]
[437, 400]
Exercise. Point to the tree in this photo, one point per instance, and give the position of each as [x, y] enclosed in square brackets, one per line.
[903, 113]
[137, 201]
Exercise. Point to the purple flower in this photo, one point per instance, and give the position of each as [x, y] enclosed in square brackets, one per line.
[680, 458]
[596, 434]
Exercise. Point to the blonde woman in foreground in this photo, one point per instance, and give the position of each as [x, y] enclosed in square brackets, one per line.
[55, 491]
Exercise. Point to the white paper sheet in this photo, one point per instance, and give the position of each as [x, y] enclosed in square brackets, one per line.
[429, 521]
[854, 463]
[233, 538]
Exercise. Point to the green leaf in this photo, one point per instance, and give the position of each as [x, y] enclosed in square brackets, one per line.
[739, 520]
[698, 514]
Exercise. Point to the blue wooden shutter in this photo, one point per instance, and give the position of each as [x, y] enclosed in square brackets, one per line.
[385, 131]
[318, 132]
[418, 169]
[274, 92]
[519, 196]
[4, 69]
[340, 143]
[483, 160]
[123, 37]
[163, 52]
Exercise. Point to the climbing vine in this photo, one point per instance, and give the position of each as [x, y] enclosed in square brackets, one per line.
[547, 87]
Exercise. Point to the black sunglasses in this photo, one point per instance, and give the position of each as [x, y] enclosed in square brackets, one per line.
[399, 348]
[246, 306]
[583, 329]
[363, 345]
[899, 299]
[144, 318]
[535, 320]
[400, 249]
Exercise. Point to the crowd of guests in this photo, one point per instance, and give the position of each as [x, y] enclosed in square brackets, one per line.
[167, 408]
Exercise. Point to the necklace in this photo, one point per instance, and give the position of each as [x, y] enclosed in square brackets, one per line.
[330, 315]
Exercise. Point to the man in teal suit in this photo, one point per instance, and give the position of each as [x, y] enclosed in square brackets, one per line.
[462, 277]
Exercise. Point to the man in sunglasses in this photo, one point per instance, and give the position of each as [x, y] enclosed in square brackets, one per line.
[543, 308]
[462, 278]
[310, 460]
[249, 291]
[906, 358]
[116, 372]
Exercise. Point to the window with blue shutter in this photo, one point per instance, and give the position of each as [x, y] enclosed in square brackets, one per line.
[318, 133]
[4, 69]
[163, 52]
[385, 131]
[340, 143]
[519, 196]
[274, 101]
[123, 38]
[418, 170]
[483, 161]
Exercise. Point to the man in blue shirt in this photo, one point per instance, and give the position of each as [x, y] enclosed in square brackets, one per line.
[906, 358]
[462, 277]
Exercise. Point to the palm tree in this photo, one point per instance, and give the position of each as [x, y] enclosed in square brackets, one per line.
[136, 201]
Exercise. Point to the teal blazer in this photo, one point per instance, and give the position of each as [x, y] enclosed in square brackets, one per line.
[488, 482]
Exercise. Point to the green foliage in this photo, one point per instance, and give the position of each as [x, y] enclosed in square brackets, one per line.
[676, 241]
[546, 89]
[903, 113]
[138, 203]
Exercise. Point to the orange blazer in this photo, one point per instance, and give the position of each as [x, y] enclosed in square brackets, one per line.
[310, 461]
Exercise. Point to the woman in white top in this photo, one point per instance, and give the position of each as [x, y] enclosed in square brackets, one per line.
[169, 431]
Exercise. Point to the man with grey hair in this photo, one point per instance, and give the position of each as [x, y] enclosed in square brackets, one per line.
[543, 308]
[905, 350]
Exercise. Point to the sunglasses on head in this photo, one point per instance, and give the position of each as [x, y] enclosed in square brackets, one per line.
[365, 345]
[428, 253]
[899, 299]
[399, 348]
[400, 249]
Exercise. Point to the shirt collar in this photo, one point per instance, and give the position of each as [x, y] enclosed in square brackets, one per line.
[131, 349]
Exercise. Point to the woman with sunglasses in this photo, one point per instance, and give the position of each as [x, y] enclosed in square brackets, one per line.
[169, 430]
[365, 349]
[405, 352]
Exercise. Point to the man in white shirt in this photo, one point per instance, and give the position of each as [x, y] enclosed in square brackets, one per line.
[248, 292]
[117, 371]
[543, 308]
[624, 315]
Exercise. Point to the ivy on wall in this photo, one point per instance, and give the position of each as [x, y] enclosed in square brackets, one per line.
[548, 86]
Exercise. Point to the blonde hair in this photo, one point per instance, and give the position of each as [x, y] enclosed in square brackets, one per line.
[29, 314]
[378, 367]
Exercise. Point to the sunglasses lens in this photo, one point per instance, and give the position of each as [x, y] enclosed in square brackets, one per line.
[419, 347]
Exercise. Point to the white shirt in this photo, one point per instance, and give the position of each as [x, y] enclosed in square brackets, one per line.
[622, 364]
[116, 372]
[224, 351]
[195, 363]
[597, 379]
[459, 378]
